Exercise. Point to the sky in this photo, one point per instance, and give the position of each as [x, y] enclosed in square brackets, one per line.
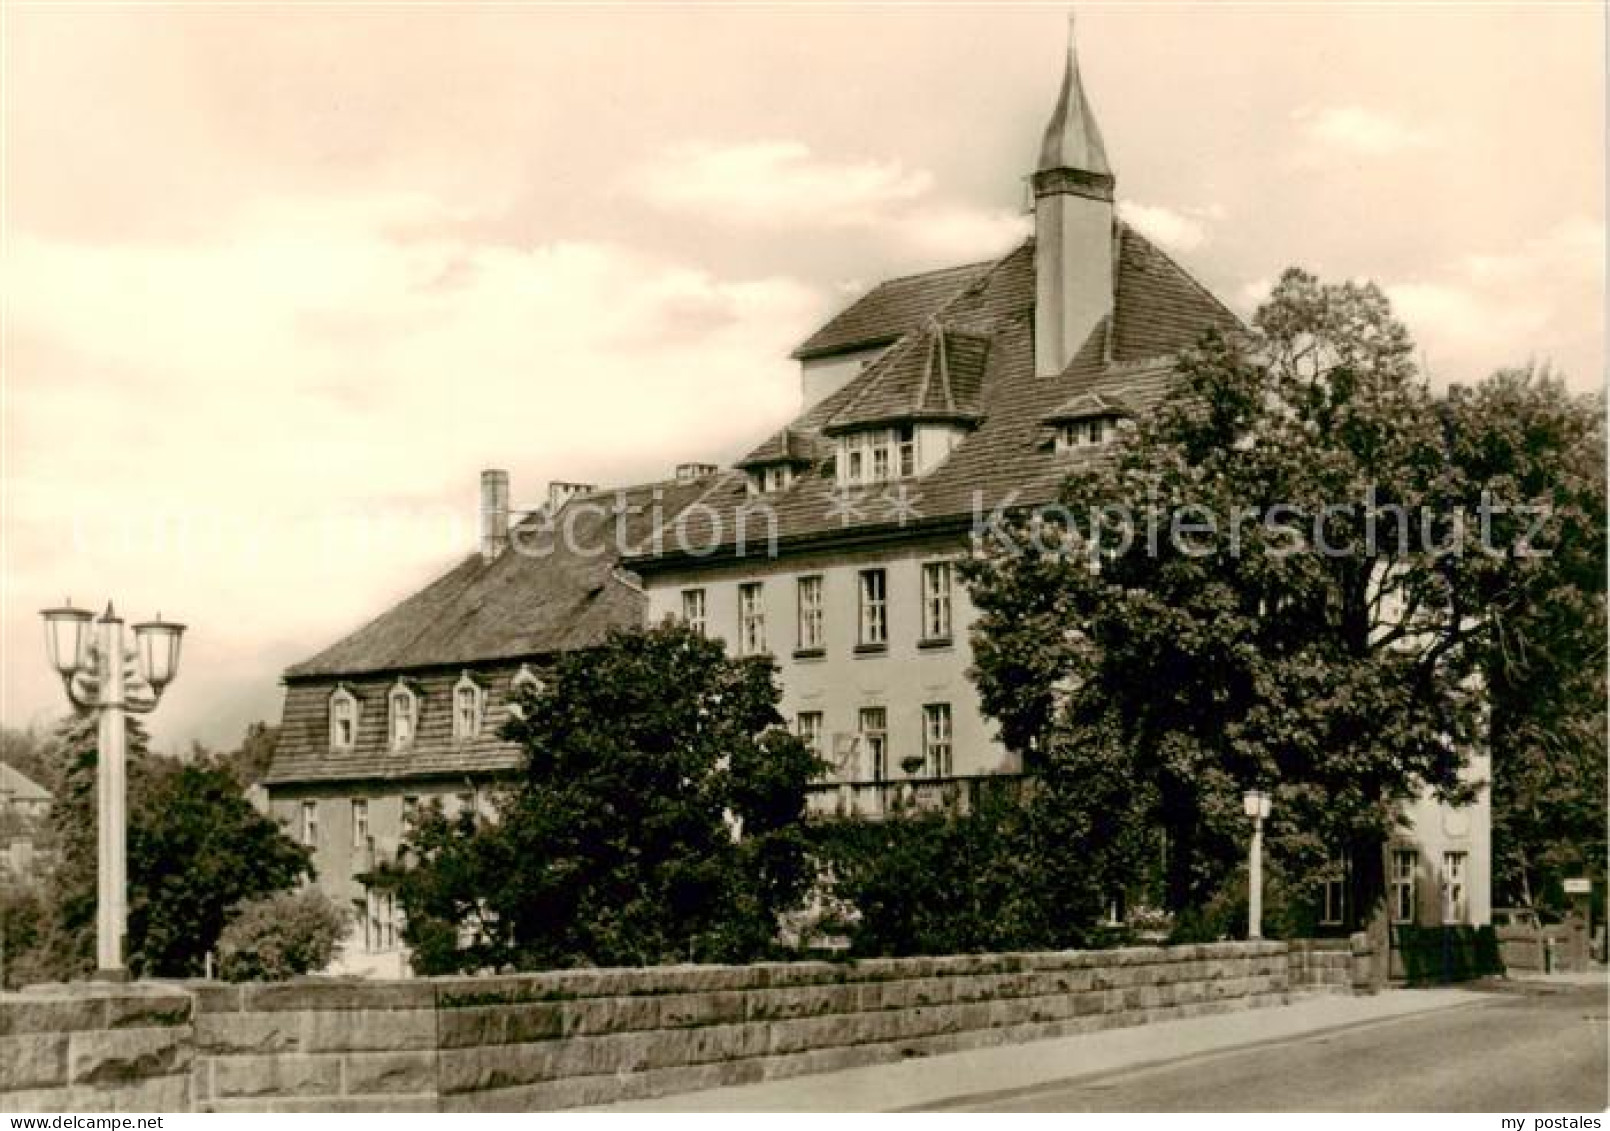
[280, 282]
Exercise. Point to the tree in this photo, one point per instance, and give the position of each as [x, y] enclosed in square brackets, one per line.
[196, 848]
[1003, 875]
[281, 935]
[658, 820]
[1259, 588]
[1521, 439]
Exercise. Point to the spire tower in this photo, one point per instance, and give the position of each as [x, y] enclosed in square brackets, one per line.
[1073, 226]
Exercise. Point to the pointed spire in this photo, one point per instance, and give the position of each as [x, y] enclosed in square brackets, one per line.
[1072, 139]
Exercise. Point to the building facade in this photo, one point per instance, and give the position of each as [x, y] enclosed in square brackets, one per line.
[930, 403]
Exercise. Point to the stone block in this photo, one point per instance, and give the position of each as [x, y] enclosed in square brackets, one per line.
[497, 1066]
[33, 1060]
[388, 1073]
[120, 1056]
[291, 1074]
[150, 1094]
[369, 1030]
[608, 1015]
[149, 1010]
[710, 1008]
[32, 1012]
[224, 1033]
[29, 1101]
[329, 995]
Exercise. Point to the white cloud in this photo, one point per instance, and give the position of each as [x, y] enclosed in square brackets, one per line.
[783, 185]
[1540, 300]
[1177, 230]
[777, 183]
[1356, 131]
[272, 435]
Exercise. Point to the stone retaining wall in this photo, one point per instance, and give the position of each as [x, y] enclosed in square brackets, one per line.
[571, 1038]
[96, 1047]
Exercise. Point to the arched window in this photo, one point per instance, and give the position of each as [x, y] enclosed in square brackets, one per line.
[404, 706]
[525, 682]
[343, 719]
[469, 700]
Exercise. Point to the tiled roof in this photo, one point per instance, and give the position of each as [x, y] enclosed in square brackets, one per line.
[1083, 406]
[788, 445]
[890, 309]
[936, 372]
[1128, 358]
[544, 594]
[17, 786]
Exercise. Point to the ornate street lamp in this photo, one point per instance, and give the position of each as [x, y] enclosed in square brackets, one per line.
[101, 675]
[1255, 803]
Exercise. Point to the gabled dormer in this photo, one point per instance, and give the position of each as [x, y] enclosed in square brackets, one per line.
[912, 407]
[775, 465]
[1089, 420]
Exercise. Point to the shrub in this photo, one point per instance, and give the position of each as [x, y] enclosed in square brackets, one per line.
[280, 936]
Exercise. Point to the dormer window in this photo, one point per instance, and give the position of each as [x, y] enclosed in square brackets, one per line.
[770, 478]
[343, 719]
[877, 455]
[525, 682]
[403, 704]
[1090, 433]
[469, 701]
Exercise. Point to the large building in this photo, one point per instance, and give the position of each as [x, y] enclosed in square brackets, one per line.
[831, 546]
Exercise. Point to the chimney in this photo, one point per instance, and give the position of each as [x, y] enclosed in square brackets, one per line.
[1073, 228]
[560, 493]
[494, 513]
[693, 472]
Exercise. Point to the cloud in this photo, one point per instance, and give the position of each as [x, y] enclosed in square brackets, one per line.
[783, 186]
[272, 435]
[1540, 300]
[776, 183]
[1176, 230]
[1354, 131]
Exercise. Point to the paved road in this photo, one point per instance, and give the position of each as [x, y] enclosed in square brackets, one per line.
[1526, 1049]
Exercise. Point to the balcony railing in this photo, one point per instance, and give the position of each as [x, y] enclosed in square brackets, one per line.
[903, 795]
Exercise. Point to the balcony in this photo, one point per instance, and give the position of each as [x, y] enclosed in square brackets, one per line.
[877, 799]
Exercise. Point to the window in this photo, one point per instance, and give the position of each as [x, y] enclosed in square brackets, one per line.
[771, 479]
[810, 613]
[874, 731]
[936, 601]
[410, 811]
[1404, 863]
[1333, 895]
[343, 719]
[464, 805]
[936, 739]
[1085, 433]
[808, 725]
[693, 609]
[1455, 905]
[380, 920]
[310, 824]
[360, 823]
[877, 455]
[468, 699]
[874, 608]
[751, 620]
[404, 715]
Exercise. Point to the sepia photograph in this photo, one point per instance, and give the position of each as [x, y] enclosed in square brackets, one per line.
[803, 557]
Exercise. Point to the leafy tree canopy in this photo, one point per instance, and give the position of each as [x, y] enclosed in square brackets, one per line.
[658, 820]
[1277, 580]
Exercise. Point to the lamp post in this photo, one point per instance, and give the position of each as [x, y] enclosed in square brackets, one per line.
[101, 675]
[1255, 803]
